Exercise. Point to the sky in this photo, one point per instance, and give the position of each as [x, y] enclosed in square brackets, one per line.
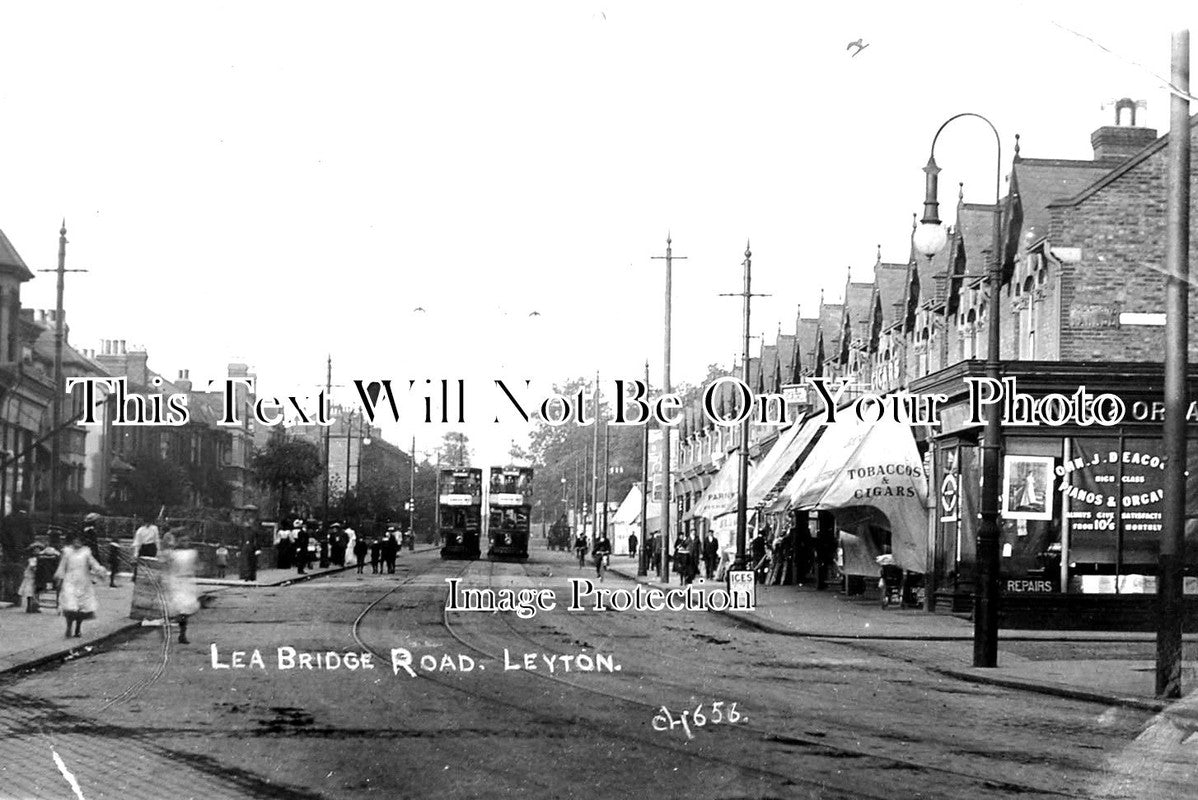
[274, 183]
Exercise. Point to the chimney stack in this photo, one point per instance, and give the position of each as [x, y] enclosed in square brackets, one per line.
[1120, 141]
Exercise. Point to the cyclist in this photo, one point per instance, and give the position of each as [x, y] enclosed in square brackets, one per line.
[580, 547]
[601, 553]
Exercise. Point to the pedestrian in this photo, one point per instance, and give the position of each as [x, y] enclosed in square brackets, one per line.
[76, 595]
[146, 539]
[390, 550]
[179, 582]
[360, 548]
[696, 556]
[711, 553]
[114, 561]
[758, 551]
[222, 560]
[28, 588]
[301, 548]
[580, 547]
[16, 535]
[338, 545]
[682, 554]
[91, 533]
[409, 536]
[655, 552]
[632, 545]
[376, 554]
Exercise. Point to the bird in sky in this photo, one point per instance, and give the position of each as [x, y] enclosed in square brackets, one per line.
[859, 44]
[419, 309]
[534, 313]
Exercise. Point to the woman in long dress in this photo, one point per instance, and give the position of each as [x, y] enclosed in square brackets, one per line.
[76, 594]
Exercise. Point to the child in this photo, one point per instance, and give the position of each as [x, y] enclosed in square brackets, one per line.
[28, 588]
[222, 560]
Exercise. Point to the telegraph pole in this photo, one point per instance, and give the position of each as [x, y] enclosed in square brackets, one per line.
[606, 472]
[56, 403]
[665, 429]
[1170, 598]
[642, 565]
[742, 483]
[328, 388]
[411, 490]
[595, 469]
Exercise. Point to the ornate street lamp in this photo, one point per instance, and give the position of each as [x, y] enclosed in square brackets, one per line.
[930, 238]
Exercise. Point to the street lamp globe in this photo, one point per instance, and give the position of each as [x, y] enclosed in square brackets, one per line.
[930, 238]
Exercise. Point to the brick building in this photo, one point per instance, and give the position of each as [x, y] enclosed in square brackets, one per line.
[1082, 304]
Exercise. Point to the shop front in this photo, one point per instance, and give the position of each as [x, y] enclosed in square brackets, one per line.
[1081, 495]
[871, 480]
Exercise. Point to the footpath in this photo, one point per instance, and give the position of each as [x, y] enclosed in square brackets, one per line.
[1113, 668]
[30, 640]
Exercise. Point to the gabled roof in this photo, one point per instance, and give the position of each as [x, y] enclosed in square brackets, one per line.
[206, 407]
[829, 326]
[858, 311]
[807, 332]
[769, 362]
[1045, 182]
[933, 277]
[41, 337]
[890, 289]
[11, 261]
[786, 358]
[974, 234]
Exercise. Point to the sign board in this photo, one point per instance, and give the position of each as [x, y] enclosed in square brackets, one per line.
[456, 499]
[949, 497]
[505, 499]
[796, 393]
[743, 582]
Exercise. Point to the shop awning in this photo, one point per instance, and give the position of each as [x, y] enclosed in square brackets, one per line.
[720, 496]
[871, 465]
[788, 449]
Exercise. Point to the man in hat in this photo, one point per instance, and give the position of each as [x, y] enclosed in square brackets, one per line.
[301, 547]
[390, 549]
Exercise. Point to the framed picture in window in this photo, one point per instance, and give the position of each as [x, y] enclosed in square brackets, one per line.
[1027, 487]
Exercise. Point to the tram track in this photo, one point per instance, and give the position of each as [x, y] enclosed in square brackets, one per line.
[617, 733]
[810, 743]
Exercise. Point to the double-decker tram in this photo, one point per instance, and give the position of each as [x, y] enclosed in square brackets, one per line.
[510, 505]
[459, 512]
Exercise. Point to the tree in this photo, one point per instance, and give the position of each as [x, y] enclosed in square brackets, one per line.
[155, 482]
[558, 450]
[517, 453]
[455, 449]
[285, 465]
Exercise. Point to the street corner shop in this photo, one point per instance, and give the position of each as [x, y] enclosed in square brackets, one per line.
[1081, 504]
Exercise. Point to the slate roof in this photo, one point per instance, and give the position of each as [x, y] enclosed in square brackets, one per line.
[11, 261]
[1043, 181]
[807, 333]
[890, 288]
[769, 362]
[786, 358]
[829, 327]
[859, 311]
